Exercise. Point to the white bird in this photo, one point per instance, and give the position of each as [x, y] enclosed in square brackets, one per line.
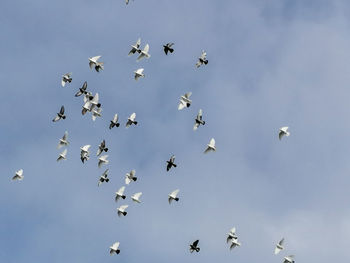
[66, 78]
[114, 122]
[102, 160]
[84, 153]
[121, 210]
[202, 59]
[18, 176]
[96, 112]
[120, 193]
[171, 163]
[129, 177]
[279, 246]
[198, 120]
[85, 148]
[102, 148]
[231, 235]
[60, 115]
[185, 101]
[131, 120]
[91, 103]
[283, 132]
[62, 155]
[210, 146]
[93, 62]
[139, 73]
[82, 90]
[136, 46]
[103, 178]
[114, 249]
[144, 53]
[234, 243]
[64, 141]
[136, 197]
[289, 259]
[173, 196]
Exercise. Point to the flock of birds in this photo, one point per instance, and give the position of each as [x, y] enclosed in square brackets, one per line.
[91, 104]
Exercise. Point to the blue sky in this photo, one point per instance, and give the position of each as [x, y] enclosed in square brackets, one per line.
[271, 64]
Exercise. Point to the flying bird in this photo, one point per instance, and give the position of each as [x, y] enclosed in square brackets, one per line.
[18, 176]
[139, 73]
[194, 246]
[202, 59]
[289, 259]
[103, 178]
[129, 177]
[198, 121]
[131, 120]
[234, 243]
[136, 197]
[144, 53]
[60, 115]
[136, 46]
[231, 235]
[114, 122]
[114, 249]
[279, 246]
[102, 148]
[185, 101]
[84, 153]
[171, 163]
[90, 103]
[82, 90]
[102, 160]
[62, 155]
[93, 62]
[64, 141]
[210, 146]
[121, 210]
[96, 112]
[168, 48]
[120, 193]
[173, 196]
[283, 132]
[66, 78]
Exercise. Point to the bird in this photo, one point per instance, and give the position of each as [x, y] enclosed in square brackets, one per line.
[120, 193]
[173, 196]
[121, 210]
[103, 178]
[210, 146]
[102, 160]
[171, 163]
[202, 59]
[84, 153]
[139, 73]
[144, 53]
[283, 131]
[198, 121]
[234, 243]
[185, 101]
[231, 235]
[64, 141]
[279, 246]
[129, 177]
[82, 90]
[136, 46]
[90, 103]
[136, 197]
[93, 62]
[131, 120]
[114, 249]
[194, 246]
[102, 148]
[62, 155]
[289, 259]
[114, 122]
[66, 78]
[168, 48]
[96, 112]
[60, 115]
[18, 176]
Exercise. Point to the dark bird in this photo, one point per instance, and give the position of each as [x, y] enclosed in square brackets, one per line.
[167, 48]
[60, 115]
[82, 90]
[114, 122]
[194, 246]
[102, 148]
[171, 163]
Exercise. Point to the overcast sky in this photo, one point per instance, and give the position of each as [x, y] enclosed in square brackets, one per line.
[272, 63]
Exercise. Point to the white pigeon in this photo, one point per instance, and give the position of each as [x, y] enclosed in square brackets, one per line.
[136, 197]
[121, 210]
[173, 196]
[114, 249]
[90, 103]
[289, 259]
[139, 73]
[114, 122]
[144, 53]
[279, 246]
[136, 46]
[283, 132]
[131, 120]
[129, 177]
[62, 155]
[18, 176]
[120, 193]
[66, 78]
[60, 115]
[103, 178]
[210, 146]
[84, 153]
[202, 59]
[198, 120]
[234, 243]
[185, 101]
[93, 62]
[231, 235]
[102, 148]
[96, 112]
[102, 160]
[64, 141]
[85, 148]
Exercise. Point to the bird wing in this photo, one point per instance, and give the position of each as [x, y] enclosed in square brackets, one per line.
[207, 150]
[65, 136]
[95, 99]
[195, 243]
[172, 158]
[115, 119]
[188, 94]
[85, 148]
[94, 59]
[182, 104]
[19, 172]
[146, 48]
[123, 207]
[195, 126]
[127, 179]
[132, 117]
[199, 115]
[62, 110]
[174, 193]
[132, 173]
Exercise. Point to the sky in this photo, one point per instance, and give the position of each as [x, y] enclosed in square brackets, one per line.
[271, 64]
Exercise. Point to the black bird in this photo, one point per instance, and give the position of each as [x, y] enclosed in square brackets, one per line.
[114, 122]
[82, 90]
[171, 163]
[167, 48]
[193, 246]
[102, 147]
[60, 115]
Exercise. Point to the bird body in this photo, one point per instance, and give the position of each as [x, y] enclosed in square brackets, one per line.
[202, 59]
[102, 160]
[168, 48]
[198, 121]
[136, 197]
[173, 196]
[144, 53]
[18, 176]
[171, 163]
[129, 177]
[283, 131]
[131, 120]
[82, 90]
[136, 47]
[121, 210]
[114, 122]
[211, 146]
[114, 249]
[194, 246]
[139, 73]
[279, 246]
[102, 148]
[66, 78]
[63, 141]
[62, 155]
[185, 101]
[93, 62]
[120, 194]
[289, 259]
[60, 115]
[103, 178]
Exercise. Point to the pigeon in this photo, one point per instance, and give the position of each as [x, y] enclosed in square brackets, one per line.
[121, 210]
[102, 148]
[136, 197]
[60, 115]
[279, 246]
[114, 249]
[84, 153]
[136, 46]
[173, 196]
[129, 177]
[103, 178]
[66, 78]
[93, 62]
[82, 90]
[139, 73]
[231, 235]
[283, 132]
[144, 53]
[120, 193]
[18, 176]
[131, 120]
[234, 243]
[185, 101]
[170, 163]
[202, 59]
[96, 112]
[90, 103]
[64, 141]
[194, 246]
[102, 160]
[114, 122]
[62, 155]
[210, 146]
[289, 259]
[198, 121]
[168, 48]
